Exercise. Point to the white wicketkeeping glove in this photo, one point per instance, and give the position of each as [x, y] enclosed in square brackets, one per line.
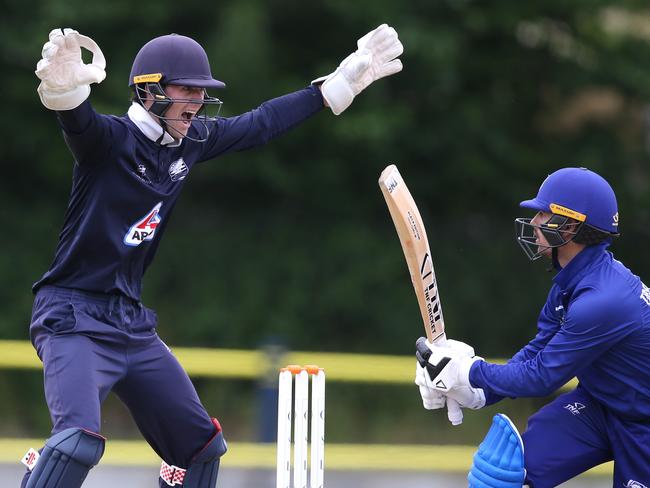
[65, 79]
[446, 370]
[375, 58]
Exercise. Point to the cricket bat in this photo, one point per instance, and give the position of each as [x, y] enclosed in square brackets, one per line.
[415, 245]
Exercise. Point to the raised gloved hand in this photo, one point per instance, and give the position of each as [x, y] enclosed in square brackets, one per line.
[446, 370]
[65, 79]
[375, 58]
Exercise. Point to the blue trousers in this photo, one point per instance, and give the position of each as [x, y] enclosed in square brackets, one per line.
[91, 344]
[575, 433]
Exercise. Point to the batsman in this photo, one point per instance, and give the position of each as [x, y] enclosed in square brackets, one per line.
[88, 325]
[595, 325]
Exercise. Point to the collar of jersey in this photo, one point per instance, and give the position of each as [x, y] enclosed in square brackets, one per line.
[573, 272]
[149, 127]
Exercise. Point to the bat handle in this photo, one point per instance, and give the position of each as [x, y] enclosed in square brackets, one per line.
[454, 413]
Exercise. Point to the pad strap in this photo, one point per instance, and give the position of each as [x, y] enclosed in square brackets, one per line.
[172, 475]
[203, 468]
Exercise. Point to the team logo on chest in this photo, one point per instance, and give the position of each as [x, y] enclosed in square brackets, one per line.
[178, 170]
[141, 172]
[145, 228]
[634, 484]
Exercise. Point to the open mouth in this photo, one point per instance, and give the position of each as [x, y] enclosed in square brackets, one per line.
[187, 116]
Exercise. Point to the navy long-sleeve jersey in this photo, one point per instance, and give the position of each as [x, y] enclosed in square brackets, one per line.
[125, 185]
[595, 325]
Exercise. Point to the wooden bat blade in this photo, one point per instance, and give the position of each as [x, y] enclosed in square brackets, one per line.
[415, 245]
[413, 238]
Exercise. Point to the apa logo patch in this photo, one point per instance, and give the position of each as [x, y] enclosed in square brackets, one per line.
[178, 170]
[145, 228]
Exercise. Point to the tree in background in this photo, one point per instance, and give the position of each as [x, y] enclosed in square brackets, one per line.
[295, 240]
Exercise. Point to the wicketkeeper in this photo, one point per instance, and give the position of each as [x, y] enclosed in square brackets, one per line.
[89, 327]
[595, 325]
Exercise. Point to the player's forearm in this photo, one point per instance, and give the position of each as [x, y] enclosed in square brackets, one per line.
[526, 353]
[77, 120]
[522, 379]
[282, 113]
[257, 127]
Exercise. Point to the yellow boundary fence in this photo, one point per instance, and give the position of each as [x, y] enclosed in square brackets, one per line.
[250, 364]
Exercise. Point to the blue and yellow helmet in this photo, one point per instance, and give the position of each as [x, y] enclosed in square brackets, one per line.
[580, 194]
[583, 209]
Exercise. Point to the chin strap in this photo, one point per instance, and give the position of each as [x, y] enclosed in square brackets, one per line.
[163, 124]
[555, 264]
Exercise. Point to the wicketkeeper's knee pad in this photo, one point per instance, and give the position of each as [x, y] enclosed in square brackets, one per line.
[66, 459]
[499, 461]
[202, 471]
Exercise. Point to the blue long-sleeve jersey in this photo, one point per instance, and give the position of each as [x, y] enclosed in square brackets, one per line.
[125, 185]
[595, 325]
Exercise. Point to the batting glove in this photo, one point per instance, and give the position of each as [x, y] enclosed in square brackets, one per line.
[446, 370]
[65, 79]
[375, 58]
[431, 399]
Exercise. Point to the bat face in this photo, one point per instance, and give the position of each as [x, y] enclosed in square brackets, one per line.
[415, 245]
[430, 287]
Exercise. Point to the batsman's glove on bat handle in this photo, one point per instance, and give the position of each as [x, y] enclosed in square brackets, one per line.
[65, 78]
[431, 399]
[375, 57]
[446, 369]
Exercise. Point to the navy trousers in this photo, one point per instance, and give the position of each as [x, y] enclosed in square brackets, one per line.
[574, 433]
[91, 344]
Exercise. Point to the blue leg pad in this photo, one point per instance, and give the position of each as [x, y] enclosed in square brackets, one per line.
[499, 461]
[66, 459]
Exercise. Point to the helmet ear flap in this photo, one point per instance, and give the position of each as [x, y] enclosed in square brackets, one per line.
[589, 235]
[552, 230]
[161, 102]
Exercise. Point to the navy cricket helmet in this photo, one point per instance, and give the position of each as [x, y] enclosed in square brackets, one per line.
[173, 60]
[583, 207]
